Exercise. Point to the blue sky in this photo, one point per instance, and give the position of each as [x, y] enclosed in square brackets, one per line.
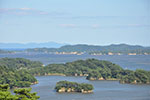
[99, 22]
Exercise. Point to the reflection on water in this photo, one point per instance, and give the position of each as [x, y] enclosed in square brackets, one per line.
[103, 90]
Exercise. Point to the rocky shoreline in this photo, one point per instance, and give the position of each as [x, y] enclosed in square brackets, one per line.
[68, 87]
[101, 78]
[71, 90]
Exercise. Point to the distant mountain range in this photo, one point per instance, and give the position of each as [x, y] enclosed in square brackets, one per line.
[30, 45]
[56, 48]
[93, 49]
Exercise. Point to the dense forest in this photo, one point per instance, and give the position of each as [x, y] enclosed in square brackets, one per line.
[95, 69]
[66, 86]
[15, 72]
[20, 72]
[93, 49]
[20, 94]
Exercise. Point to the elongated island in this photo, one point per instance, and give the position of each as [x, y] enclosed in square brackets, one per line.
[66, 86]
[94, 69]
[20, 72]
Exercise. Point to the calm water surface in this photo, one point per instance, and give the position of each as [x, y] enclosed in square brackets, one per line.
[103, 90]
[128, 62]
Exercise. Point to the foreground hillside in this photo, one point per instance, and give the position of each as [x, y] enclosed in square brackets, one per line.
[20, 94]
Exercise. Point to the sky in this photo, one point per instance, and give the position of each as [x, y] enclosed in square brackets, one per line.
[98, 22]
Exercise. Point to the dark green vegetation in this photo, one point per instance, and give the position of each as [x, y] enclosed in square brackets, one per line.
[20, 94]
[19, 63]
[66, 86]
[95, 70]
[135, 77]
[91, 49]
[15, 72]
[19, 72]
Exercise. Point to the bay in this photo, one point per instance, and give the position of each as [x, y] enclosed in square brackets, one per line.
[103, 90]
[132, 62]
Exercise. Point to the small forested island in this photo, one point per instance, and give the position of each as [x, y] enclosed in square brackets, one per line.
[66, 86]
[20, 72]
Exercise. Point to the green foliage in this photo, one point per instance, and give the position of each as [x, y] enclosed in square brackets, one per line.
[5, 93]
[15, 72]
[139, 76]
[94, 74]
[91, 49]
[18, 72]
[14, 78]
[95, 70]
[73, 85]
[92, 67]
[19, 63]
[21, 94]
[24, 94]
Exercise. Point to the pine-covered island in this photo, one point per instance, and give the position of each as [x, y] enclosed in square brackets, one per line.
[94, 69]
[20, 72]
[66, 86]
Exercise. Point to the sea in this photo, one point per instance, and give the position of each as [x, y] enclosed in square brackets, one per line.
[103, 90]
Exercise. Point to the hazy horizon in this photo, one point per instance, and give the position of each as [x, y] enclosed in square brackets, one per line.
[96, 22]
[71, 44]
